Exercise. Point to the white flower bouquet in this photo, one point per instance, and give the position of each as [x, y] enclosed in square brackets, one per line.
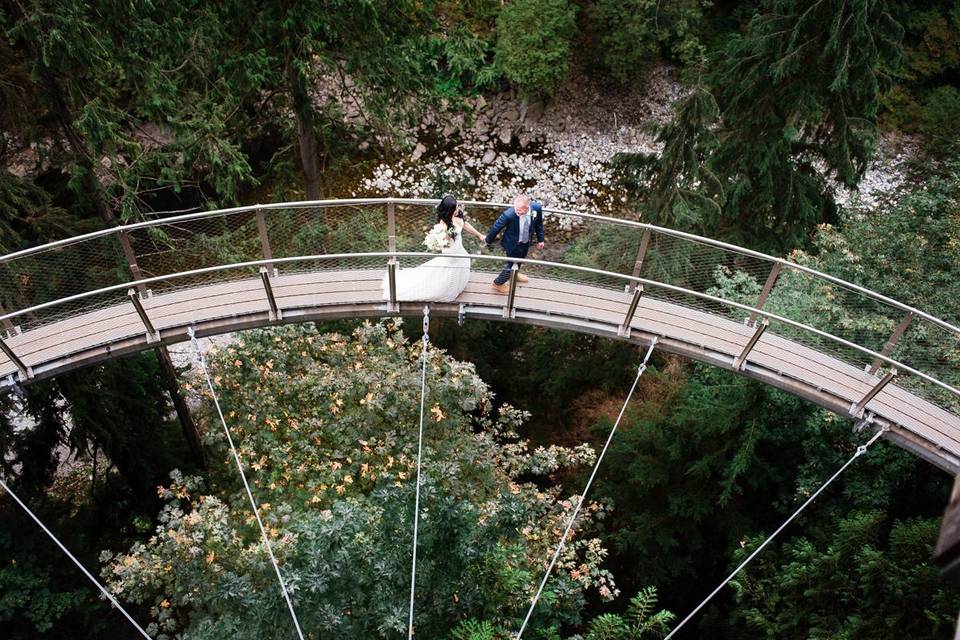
[438, 238]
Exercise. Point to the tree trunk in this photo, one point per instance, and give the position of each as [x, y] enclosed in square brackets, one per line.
[190, 432]
[307, 139]
[308, 157]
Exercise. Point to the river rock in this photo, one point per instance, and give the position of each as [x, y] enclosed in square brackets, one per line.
[418, 151]
[489, 156]
[534, 113]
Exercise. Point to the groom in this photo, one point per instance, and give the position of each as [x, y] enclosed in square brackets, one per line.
[519, 224]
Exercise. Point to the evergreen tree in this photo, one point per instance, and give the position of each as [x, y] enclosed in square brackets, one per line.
[798, 101]
[866, 578]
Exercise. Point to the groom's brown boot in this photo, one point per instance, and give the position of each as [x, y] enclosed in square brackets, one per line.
[501, 288]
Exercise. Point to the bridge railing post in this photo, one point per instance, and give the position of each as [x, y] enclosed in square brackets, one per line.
[275, 313]
[152, 334]
[856, 409]
[393, 306]
[391, 226]
[765, 292]
[124, 238]
[741, 360]
[264, 238]
[624, 329]
[641, 256]
[508, 310]
[891, 343]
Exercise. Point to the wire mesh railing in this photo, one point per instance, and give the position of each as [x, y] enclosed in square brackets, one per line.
[828, 313]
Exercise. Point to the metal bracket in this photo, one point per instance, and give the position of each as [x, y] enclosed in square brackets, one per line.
[624, 329]
[152, 334]
[860, 425]
[740, 360]
[461, 314]
[508, 310]
[856, 409]
[275, 312]
[426, 322]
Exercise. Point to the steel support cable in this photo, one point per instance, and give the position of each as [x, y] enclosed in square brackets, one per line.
[583, 496]
[416, 505]
[246, 485]
[96, 582]
[859, 452]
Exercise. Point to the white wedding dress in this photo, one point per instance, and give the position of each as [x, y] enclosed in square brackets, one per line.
[440, 279]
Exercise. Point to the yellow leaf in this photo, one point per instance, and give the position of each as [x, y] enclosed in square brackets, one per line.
[437, 413]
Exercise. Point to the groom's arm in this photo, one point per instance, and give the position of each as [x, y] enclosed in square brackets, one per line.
[497, 227]
[538, 220]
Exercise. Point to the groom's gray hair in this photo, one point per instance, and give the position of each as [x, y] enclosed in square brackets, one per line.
[521, 199]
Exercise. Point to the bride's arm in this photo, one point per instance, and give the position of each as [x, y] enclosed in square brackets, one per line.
[476, 234]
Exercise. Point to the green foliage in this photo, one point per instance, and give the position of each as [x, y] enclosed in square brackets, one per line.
[534, 44]
[528, 365]
[919, 102]
[904, 251]
[941, 120]
[639, 621]
[28, 216]
[866, 578]
[29, 602]
[473, 630]
[684, 191]
[683, 474]
[464, 60]
[119, 408]
[321, 421]
[631, 34]
[798, 89]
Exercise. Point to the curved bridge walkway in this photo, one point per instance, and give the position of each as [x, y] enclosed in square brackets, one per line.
[852, 351]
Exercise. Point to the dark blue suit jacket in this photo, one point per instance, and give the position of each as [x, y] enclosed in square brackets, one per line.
[509, 223]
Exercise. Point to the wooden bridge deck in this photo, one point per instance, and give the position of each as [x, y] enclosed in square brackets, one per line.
[915, 423]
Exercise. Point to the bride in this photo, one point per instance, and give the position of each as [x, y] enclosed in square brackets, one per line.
[443, 278]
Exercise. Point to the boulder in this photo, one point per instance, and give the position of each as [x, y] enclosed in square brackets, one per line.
[534, 113]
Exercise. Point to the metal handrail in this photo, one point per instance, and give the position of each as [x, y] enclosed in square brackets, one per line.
[419, 254]
[476, 203]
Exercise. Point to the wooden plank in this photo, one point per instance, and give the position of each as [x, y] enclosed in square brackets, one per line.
[843, 374]
[561, 298]
[795, 365]
[54, 330]
[88, 341]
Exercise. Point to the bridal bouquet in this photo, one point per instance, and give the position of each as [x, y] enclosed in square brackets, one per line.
[439, 237]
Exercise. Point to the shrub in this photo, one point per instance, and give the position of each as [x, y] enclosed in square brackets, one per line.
[632, 31]
[941, 120]
[534, 41]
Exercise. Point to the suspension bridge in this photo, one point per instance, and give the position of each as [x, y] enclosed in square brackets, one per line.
[889, 367]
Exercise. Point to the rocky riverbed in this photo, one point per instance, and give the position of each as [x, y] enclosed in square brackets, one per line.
[560, 151]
